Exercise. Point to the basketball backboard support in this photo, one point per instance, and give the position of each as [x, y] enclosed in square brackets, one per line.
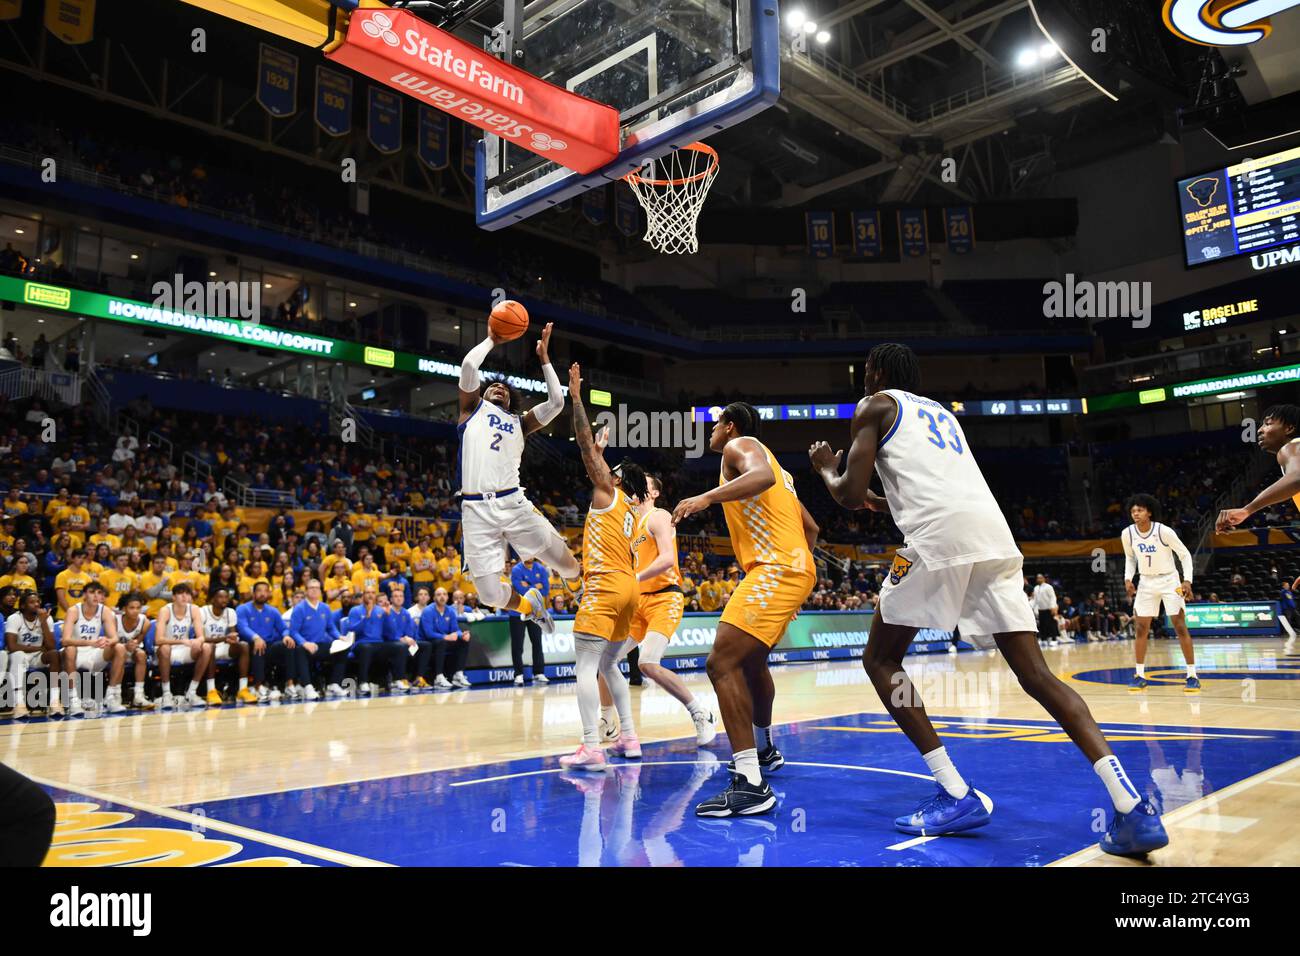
[676, 70]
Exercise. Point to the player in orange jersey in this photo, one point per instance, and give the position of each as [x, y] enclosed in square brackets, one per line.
[1279, 435]
[773, 536]
[610, 593]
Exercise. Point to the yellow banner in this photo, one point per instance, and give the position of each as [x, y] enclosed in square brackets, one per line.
[11, 9]
[72, 21]
[303, 21]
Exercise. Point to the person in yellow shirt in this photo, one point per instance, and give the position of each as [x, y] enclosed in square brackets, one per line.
[254, 571]
[13, 504]
[224, 522]
[118, 580]
[712, 594]
[77, 515]
[338, 587]
[366, 576]
[438, 533]
[197, 581]
[732, 580]
[424, 563]
[362, 525]
[103, 536]
[101, 559]
[70, 583]
[18, 576]
[397, 553]
[448, 564]
[382, 528]
[55, 505]
[153, 585]
[282, 592]
[165, 549]
[338, 555]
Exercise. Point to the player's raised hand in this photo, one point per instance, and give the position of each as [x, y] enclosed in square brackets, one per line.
[543, 343]
[602, 438]
[1229, 518]
[822, 458]
[575, 380]
[689, 506]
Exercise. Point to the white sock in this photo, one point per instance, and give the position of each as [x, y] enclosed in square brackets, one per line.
[1121, 790]
[694, 708]
[1141, 670]
[243, 683]
[194, 687]
[1286, 626]
[586, 667]
[139, 692]
[610, 714]
[618, 689]
[762, 737]
[1191, 670]
[945, 774]
[747, 766]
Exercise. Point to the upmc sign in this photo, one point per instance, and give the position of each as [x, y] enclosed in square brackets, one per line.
[437, 68]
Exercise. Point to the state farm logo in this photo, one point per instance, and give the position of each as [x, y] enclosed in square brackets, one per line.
[543, 142]
[1222, 22]
[381, 28]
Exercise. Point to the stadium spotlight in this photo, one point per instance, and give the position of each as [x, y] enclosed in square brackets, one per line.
[810, 26]
[1026, 58]
[795, 19]
[1048, 51]
[823, 36]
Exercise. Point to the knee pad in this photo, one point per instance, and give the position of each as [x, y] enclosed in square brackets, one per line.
[653, 646]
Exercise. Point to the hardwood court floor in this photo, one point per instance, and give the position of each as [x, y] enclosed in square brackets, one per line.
[1225, 765]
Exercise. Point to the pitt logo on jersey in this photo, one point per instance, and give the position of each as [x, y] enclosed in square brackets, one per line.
[1147, 548]
[1222, 22]
[504, 424]
[898, 570]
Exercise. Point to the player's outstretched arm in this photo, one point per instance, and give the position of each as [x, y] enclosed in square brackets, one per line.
[1288, 486]
[593, 455]
[661, 528]
[544, 412]
[469, 377]
[744, 459]
[852, 489]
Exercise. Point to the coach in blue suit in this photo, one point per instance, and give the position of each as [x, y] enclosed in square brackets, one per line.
[525, 575]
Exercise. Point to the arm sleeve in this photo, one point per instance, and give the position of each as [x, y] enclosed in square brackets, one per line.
[1184, 556]
[1127, 541]
[469, 380]
[546, 411]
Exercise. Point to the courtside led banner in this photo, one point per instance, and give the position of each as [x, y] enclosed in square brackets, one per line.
[98, 306]
[1259, 617]
[1283, 375]
[416, 58]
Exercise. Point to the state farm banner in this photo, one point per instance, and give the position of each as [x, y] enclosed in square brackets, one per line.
[416, 58]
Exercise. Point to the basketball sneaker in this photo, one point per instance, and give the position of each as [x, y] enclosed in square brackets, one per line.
[75, 709]
[770, 760]
[213, 698]
[459, 679]
[113, 705]
[334, 691]
[539, 613]
[193, 699]
[274, 696]
[705, 728]
[247, 696]
[584, 758]
[539, 678]
[421, 684]
[519, 680]
[1136, 832]
[741, 798]
[626, 746]
[1137, 683]
[309, 692]
[441, 683]
[167, 701]
[944, 813]
[1193, 686]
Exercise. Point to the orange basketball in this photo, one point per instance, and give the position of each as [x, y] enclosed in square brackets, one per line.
[509, 320]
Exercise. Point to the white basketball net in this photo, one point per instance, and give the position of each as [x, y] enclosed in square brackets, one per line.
[671, 190]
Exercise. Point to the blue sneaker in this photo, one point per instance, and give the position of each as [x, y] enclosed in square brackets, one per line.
[1136, 832]
[1137, 683]
[1193, 686]
[943, 813]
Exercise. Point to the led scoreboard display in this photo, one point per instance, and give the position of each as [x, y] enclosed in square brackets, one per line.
[1241, 209]
[1008, 406]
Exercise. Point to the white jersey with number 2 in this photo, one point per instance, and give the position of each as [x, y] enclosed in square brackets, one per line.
[936, 492]
[491, 445]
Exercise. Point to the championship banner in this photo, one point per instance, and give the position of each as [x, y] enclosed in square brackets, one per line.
[11, 9]
[911, 232]
[434, 145]
[866, 233]
[414, 57]
[821, 234]
[468, 152]
[333, 101]
[595, 206]
[277, 81]
[384, 120]
[959, 227]
[72, 21]
[625, 211]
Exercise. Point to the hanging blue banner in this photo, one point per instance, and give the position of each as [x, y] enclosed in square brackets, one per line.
[821, 234]
[468, 150]
[384, 125]
[277, 81]
[434, 148]
[911, 232]
[866, 233]
[625, 211]
[959, 227]
[595, 206]
[333, 101]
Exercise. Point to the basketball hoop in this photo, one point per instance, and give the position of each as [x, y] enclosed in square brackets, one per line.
[672, 199]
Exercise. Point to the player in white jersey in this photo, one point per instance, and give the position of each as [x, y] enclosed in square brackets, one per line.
[959, 567]
[1150, 549]
[178, 639]
[135, 632]
[219, 629]
[90, 644]
[29, 643]
[495, 514]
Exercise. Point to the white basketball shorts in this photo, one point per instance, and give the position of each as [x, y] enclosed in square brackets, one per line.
[985, 597]
[1152, 590]
[488, 527]
[91, 659]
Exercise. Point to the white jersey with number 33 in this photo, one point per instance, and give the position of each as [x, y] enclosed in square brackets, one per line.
[936, 492]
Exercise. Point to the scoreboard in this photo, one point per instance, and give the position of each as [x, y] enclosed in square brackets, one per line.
[1241, 209]
[996, 407]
